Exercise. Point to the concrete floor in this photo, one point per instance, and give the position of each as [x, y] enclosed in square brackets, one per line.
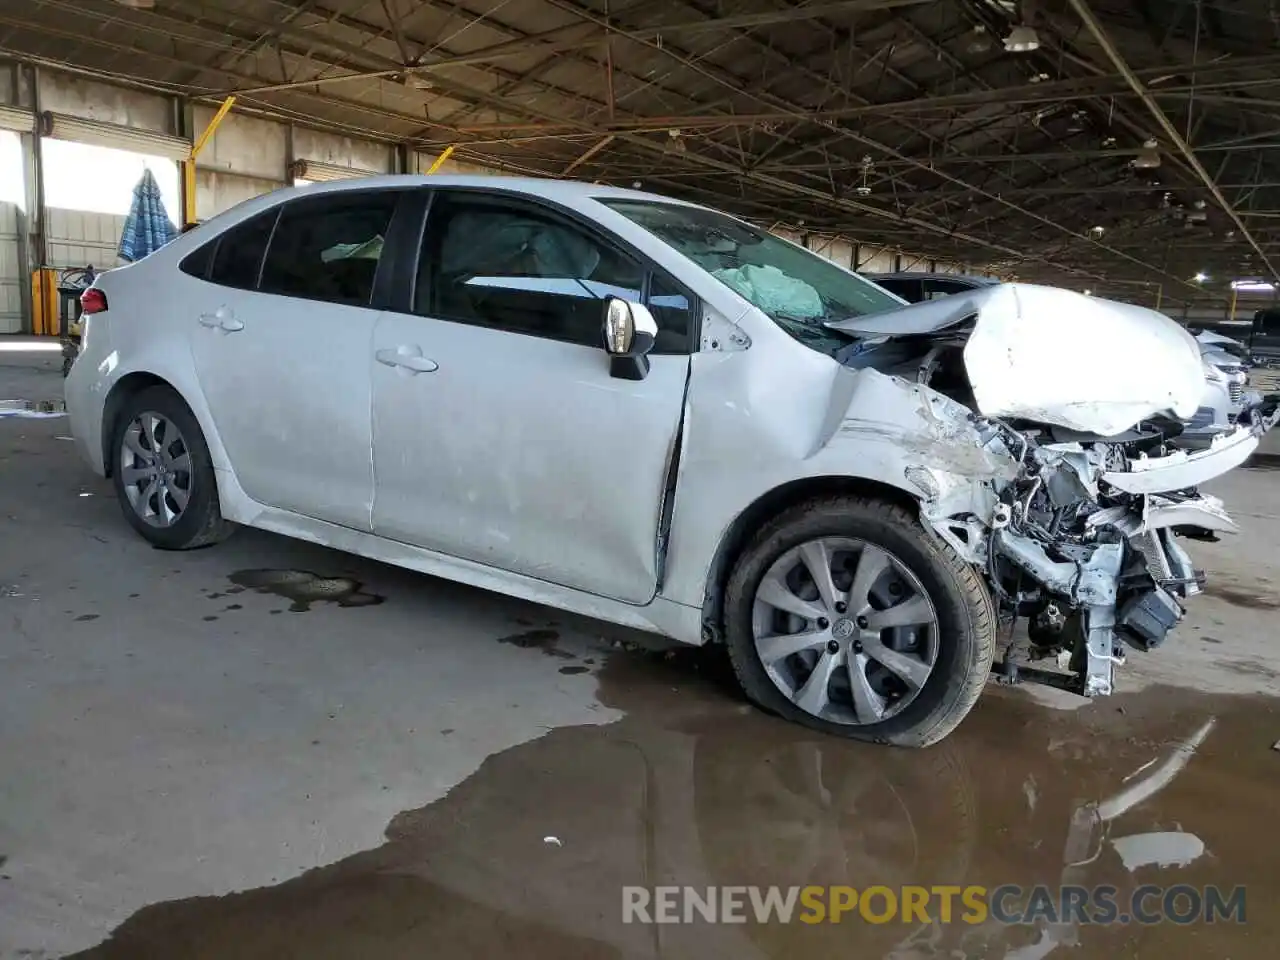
[193, 769]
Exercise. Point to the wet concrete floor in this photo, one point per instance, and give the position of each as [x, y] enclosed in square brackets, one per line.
[528, 857]
[190, 770]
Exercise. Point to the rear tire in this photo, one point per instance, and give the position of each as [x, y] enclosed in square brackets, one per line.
[907, 683]
[163, 474]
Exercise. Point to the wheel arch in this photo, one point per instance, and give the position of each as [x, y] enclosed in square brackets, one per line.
[130, 385]
[763, 509]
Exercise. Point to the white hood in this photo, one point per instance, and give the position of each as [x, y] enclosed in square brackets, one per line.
[1058, 357]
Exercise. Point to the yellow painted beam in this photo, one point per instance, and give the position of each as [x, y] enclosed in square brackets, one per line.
[188, 192]
[439, 161]
[189, 165]
[212, 127]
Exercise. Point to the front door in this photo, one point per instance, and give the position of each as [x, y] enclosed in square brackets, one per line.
[281, 346]
[499, 435]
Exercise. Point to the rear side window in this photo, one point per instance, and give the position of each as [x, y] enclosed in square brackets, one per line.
[198, 262]
[328, 247]
[238, 258]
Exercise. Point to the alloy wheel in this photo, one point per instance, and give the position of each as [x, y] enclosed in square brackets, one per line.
[845, 630]
[155, 469]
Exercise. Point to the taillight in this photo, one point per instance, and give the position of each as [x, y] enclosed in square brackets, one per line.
[93, 300]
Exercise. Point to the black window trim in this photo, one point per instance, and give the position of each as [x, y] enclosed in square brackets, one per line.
[412, 252]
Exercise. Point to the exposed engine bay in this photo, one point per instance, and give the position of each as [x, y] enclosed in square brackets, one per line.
[1079, 534]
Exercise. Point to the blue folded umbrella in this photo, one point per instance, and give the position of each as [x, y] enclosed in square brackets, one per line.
[148, 227]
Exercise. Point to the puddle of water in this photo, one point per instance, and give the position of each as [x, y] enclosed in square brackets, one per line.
[1254, 600]
[1263, 461]
[543, 639]
[692, 787]
[303, 588]
[33, 409]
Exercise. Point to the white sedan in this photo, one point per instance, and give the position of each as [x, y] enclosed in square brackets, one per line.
[655, 414]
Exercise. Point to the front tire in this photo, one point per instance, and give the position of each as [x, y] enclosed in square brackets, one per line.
[844, 615]
[163, 474]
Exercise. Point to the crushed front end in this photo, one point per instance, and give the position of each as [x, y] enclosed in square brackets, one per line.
[1086, 544]
[1081, 537]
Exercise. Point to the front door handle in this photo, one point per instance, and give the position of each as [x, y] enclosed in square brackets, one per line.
[402, 357]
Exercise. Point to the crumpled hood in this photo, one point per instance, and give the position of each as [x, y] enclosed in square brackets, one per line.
[1059, 357]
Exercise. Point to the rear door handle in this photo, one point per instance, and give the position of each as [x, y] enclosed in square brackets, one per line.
[403, 358]
[221, 319]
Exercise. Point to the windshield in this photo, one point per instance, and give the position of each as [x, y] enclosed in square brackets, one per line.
[799, 290]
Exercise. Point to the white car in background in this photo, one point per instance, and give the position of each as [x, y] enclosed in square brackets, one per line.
[1226, 388]
[652, 413]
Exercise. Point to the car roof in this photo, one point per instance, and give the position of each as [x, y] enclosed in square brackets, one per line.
[563, 190]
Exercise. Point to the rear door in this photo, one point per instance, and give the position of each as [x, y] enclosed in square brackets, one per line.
[280, 332]
[499, 434]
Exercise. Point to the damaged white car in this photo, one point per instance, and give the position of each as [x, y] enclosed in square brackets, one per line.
[652, 413]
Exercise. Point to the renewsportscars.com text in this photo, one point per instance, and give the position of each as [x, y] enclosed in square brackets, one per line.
[1010, 903]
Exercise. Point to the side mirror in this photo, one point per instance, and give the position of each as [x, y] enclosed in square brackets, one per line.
[629, 334]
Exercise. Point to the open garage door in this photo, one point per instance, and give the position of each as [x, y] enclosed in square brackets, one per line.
[10, 270]
[12, 189]
[84, 215]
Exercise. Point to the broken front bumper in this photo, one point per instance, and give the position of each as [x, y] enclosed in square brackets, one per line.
[1124, 582]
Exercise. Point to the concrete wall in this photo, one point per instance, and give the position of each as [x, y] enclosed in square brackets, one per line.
[246, 157]
[425, 160]
[342, 151]
[91, 100]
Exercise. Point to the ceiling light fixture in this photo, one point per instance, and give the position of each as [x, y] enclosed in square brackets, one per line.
[1200, 277]
[1252, 286]
[1022, 39]
[1149, 157]
[864, 189]
[980, 40]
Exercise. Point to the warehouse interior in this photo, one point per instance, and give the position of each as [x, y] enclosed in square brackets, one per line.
[887, 136]
[194, 772]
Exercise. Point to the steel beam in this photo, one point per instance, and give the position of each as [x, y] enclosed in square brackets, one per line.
[1117, 59]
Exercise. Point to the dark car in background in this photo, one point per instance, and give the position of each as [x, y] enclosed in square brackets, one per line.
[918, 287]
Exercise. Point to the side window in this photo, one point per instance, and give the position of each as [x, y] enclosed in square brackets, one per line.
[672, 310]
[198, 261]
[238, 259]
[328, 247]
[504, 265]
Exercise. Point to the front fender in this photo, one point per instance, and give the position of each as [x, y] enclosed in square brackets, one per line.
[747, 437]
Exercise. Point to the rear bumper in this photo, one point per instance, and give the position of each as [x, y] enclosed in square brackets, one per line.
[85, 392]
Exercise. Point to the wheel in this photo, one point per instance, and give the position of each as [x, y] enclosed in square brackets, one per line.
[163, 475]
[844, 615]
